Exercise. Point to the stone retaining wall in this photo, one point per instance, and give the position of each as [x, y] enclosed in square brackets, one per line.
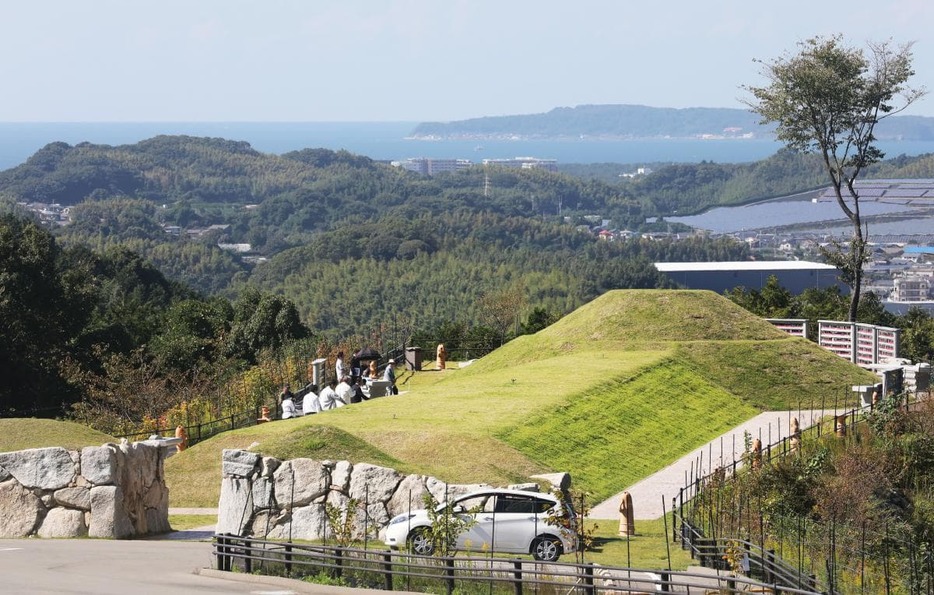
[112, 491]
[268, 498]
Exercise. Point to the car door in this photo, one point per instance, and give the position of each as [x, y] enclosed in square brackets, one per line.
[479, 537]
[517, 519]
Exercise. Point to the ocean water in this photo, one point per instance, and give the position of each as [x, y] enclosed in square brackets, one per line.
[387, 141]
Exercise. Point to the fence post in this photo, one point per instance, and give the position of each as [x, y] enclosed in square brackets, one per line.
[517, 575]
[665, 583]
[588, 579]
[248, 558]
[288, 559]
[223, 561]
[387, 569]
[674, 520]
[449, 573]
[338, 562]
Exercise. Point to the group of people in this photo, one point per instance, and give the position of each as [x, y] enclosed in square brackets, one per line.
[337, 394]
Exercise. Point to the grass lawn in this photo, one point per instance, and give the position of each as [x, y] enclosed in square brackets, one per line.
[184, 522]
[648, 548]
[22, 433]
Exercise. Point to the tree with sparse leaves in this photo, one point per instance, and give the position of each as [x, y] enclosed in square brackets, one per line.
[828, 99]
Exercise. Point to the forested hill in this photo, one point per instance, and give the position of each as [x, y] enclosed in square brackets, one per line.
[639, 121]
[355, 243]
[170, 169]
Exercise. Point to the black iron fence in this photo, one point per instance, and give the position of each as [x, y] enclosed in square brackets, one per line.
[203, 430]
[393, 571]
[719, 525]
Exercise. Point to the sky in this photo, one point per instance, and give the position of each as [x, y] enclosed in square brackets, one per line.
[411, 60]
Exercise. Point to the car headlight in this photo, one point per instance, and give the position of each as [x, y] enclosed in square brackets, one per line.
[401, 519]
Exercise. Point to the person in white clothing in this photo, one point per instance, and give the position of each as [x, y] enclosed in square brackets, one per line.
[339, 370]
[288, 408]
[328, 398]
[344, 390]
[389, 375]
[310, 404]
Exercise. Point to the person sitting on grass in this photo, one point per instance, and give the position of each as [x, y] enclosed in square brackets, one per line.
[310, 404]
[288, 407]
[344, 390]
[328, 398]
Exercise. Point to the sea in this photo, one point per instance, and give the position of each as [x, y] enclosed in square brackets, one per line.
[383, 141]
[387, 141]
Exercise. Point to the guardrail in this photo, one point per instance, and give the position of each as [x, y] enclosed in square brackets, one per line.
[389, 570]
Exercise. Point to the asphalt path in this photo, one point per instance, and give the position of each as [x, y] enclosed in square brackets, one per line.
[111, 567]
[648, 495]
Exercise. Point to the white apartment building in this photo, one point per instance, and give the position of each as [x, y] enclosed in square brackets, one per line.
[525, 163]
[429, 167]
[911, 289]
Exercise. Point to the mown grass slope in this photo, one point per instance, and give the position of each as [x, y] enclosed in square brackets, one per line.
[611, 393]
[22, 433]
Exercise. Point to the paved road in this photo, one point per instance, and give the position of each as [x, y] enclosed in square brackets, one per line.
[647, 494]
[108, 567]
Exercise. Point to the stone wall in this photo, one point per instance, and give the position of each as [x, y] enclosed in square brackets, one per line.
[112, 491]
[268, 498]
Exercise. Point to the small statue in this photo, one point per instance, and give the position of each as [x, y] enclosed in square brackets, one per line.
[442, 356]
[181, 433]
[627, 523]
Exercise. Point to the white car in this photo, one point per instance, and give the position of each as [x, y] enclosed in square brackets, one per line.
[508, 521]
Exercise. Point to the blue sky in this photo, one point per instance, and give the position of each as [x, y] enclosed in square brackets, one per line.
[410, 60]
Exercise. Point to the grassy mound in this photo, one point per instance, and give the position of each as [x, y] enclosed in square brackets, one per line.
[611, 393]
[20, 434]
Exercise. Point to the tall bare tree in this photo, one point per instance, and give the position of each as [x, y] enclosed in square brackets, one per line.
[827, 99]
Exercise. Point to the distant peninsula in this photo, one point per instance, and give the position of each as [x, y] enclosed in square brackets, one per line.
[638, 122]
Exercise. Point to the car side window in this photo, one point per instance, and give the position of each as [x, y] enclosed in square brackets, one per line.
[520, 504]
[475, 504]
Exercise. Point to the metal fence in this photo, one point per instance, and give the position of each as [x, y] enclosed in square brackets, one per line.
[390, 570]
[203, 430]
[716, 522]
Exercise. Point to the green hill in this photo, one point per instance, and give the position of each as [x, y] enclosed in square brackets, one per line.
[611, 393]
[22, 433]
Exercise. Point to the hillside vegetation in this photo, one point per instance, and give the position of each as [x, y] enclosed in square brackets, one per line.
[611, 393]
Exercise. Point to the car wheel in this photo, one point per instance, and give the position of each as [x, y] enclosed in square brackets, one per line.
[420, 542]
[546, 548]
